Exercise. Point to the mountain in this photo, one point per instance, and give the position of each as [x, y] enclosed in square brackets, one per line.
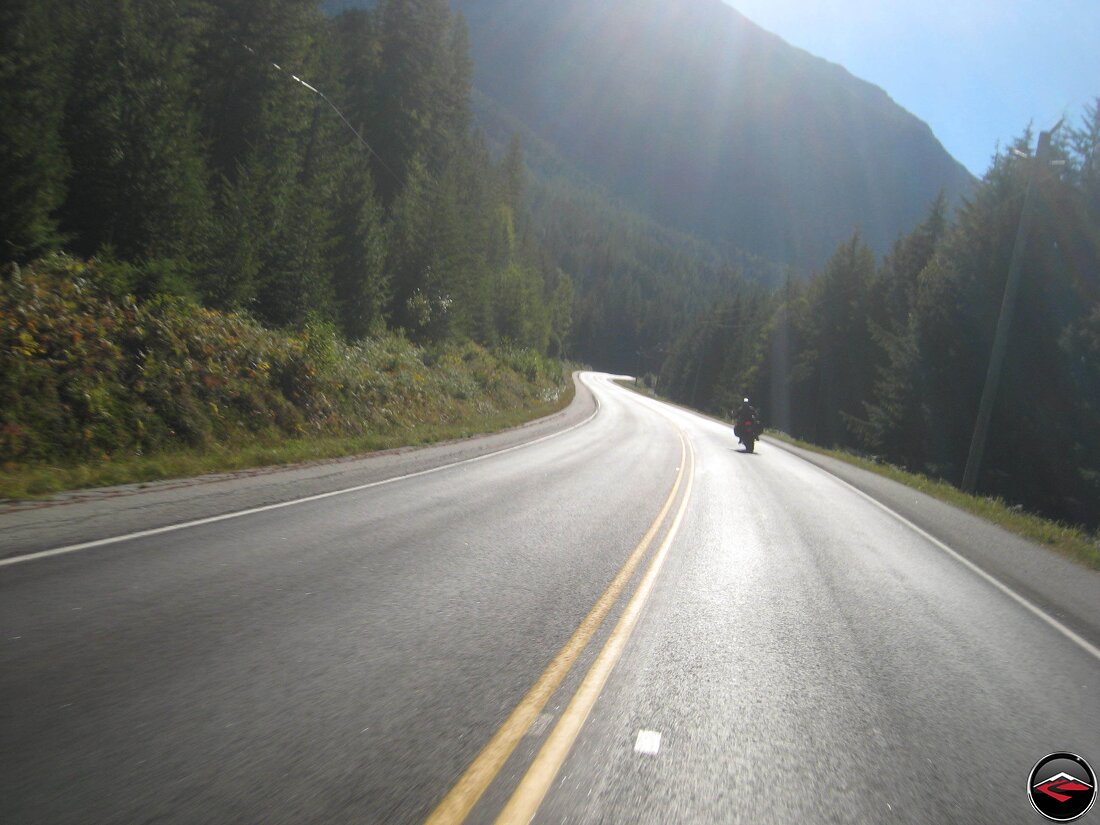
[711, 125]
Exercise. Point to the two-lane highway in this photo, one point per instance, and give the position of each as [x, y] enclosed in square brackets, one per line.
[493, 635]
[809, 657]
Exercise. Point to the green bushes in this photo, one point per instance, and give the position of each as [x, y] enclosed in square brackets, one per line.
[88, 373]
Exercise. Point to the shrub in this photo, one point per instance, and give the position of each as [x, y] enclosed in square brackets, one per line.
[88, 372]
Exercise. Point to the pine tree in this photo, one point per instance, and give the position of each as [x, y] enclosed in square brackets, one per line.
[839, 353]
[897, 282]
[895, 415]
[410, 256]
[33, 163]
[777, 380]
[471, 183]
[360, 283]
[260, 126]
[410, 110]
[139, 181]
[562, 298]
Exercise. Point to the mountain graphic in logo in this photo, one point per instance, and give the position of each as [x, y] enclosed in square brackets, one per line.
[1068, 789]
[1062, 787]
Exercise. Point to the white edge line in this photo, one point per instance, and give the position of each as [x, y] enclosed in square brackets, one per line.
[1082, 642]
[156, 531]
[1076, 638]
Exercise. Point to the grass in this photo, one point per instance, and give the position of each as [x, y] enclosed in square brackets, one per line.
[32, 481]
[1073, 542]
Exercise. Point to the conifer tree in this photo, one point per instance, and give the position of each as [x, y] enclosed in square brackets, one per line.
[33, 163]
[259, 124]
[471, 185]
[139, 182]
[839, 354]
[895, 413]
[410, 109]
[360, 283]
[410, 255]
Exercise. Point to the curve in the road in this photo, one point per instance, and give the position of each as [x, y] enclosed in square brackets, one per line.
[170, 528]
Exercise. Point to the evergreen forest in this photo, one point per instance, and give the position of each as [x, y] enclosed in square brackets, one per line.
[256, 156]
[889, 359]
[305, 172]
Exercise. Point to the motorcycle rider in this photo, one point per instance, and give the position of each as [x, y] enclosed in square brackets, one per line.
[746, 412]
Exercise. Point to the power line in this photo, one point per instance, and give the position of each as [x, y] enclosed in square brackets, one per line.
[325, 98]
[412, 231]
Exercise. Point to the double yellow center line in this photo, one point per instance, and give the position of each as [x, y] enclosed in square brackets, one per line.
[458, 803]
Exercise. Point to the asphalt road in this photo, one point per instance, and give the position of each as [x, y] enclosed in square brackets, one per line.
[488, 626]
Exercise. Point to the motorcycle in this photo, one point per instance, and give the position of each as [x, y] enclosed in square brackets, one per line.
[747, 432]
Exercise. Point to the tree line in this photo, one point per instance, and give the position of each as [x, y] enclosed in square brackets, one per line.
[187, 145]
[257, 156]
[891, 359]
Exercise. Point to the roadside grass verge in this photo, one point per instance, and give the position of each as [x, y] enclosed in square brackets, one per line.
[1073, 542]
[32, 481]
[98, 387]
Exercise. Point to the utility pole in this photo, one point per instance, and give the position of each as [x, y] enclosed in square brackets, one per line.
[1004, 322]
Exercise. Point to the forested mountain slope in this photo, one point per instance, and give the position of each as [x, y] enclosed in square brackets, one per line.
[172, 142]
[710, 124]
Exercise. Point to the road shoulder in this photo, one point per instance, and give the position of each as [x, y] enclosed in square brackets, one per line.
[1059, 586]
[91, 515]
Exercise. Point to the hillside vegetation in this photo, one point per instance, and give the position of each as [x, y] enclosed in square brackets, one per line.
[89, 375]
[225, 223]
[259, 156]
[265, 207]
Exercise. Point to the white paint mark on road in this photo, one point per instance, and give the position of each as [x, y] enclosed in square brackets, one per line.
[648, 741]
[532, 789]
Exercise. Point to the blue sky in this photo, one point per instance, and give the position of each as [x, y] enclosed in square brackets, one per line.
[976, 71]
